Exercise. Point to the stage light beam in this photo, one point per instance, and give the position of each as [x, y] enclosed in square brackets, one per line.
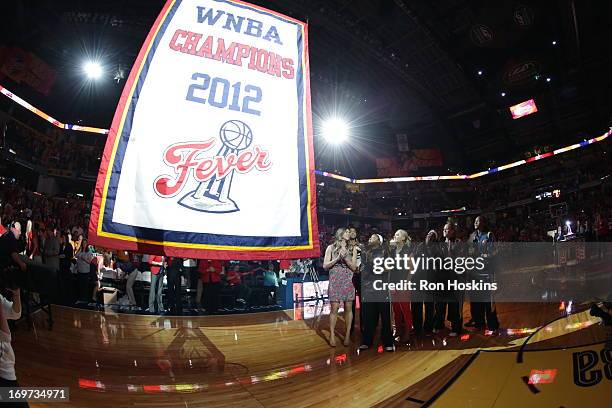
[335, 131]
[92, 69]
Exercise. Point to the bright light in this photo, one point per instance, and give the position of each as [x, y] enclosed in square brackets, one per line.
[479, 72]
[335, 131]
[503, 94]
[92, 69]
[568, 223]
[554, 43]
[548, 79]
[523, 109]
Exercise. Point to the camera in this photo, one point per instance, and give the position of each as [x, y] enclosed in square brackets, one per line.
[597, 311]
[12, 277]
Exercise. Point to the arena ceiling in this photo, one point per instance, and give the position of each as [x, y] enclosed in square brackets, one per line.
[389, 66]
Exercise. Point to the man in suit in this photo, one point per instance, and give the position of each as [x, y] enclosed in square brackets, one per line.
[481, 243]
[66, 256]
[452, 248]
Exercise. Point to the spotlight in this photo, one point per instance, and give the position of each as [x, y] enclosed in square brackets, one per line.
[479, 72]
[335, 131]
[554, 43]
[92, 69]
[503, 94]
[548, 79]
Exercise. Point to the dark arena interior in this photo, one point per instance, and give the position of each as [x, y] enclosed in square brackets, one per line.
[303, 203]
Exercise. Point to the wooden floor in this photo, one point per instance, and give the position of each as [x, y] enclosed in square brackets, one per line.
[271, 359]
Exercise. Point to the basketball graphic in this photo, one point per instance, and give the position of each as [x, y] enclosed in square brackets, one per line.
[236, 135]
[212, 196]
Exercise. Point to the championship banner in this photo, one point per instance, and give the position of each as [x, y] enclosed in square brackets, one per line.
[210, 151]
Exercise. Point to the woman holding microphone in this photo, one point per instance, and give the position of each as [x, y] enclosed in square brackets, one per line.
[340, 261]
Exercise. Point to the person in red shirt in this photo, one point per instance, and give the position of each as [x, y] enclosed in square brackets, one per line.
[234, 281]
[209, 283]
[158, 270]
[233, 277]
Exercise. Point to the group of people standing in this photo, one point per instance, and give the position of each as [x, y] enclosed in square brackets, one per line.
[173, 269]
[351, 267]
[210, 278]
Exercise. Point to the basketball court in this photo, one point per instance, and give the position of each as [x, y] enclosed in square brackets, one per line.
[270, 359]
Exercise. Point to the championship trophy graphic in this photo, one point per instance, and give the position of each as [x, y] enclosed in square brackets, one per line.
[213, 195]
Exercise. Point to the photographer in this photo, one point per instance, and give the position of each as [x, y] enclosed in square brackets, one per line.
[10, 246]
[9, 310]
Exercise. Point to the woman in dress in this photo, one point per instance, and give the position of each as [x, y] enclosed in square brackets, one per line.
[340, 261]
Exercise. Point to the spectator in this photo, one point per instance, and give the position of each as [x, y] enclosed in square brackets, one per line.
[158, 266]
[210, 284]
[84, 271]
[33, 250]
[234, 282]
[270, 280]
[174, 273]
[77, 244]
[52, 249]
[130, 269]
[65, 261]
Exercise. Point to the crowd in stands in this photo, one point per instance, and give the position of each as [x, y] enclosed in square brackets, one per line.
[52, 148]
[566, 173]
[63, 214]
